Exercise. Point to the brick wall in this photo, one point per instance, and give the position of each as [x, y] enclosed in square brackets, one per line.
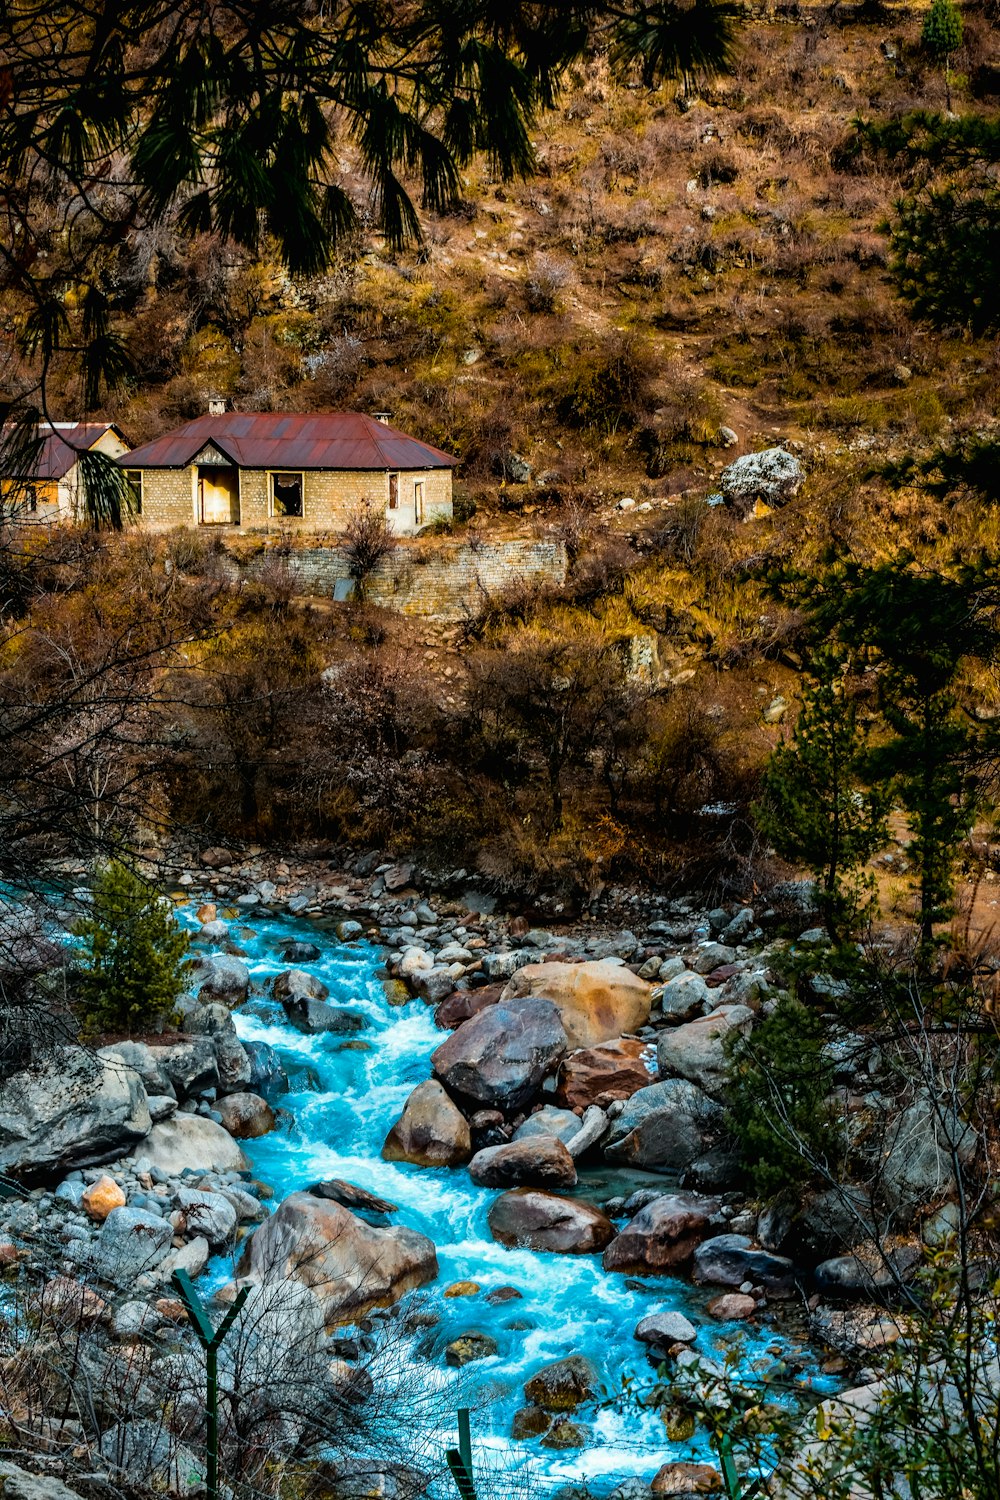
[329, 499]
[447, 579]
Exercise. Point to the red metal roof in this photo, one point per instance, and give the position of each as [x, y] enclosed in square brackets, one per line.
[281, 440]
[62, 445]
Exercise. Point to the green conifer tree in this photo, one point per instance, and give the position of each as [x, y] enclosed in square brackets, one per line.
[133, 955]
[942, 35]
[815, 808]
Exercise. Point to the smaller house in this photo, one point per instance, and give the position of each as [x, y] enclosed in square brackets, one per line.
[52, 490]
[261, 471]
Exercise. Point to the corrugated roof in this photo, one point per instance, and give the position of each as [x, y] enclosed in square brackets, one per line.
[62, 445]
[281, 440]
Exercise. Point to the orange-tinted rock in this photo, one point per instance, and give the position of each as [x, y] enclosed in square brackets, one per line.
[732, 1307]
[207, 913]
[101, 1197]
[544, 1221]
[597, 1001]
[246, 1116]
[596, 1075]
[431, 1131]
[663, 1236]
[687, 1479]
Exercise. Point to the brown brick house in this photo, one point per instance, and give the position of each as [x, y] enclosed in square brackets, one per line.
[265, 470]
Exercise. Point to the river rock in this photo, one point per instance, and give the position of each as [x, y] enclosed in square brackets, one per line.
[683, 1480]
[370, 1479]
[191, 1142]
[566, 1434]
[70, 1109]
[298, 952]
[246, 1116]
[191, 1066]
[732, 1307]
[358, 1199]
[597, 1001]
[267, 1076]
[348, 1266]
[661, 1331]
[215, 1021]
[500, 1057]
[432, 1131]
[205, 1213]
[696, 1050]
[221, 976]
[131, 1241]
[143, 1060]
[563, 1385]
[597, 1075]
[917, 1146]
[683, 997]
[315, 1017]
[295, 983]
[101, 1197]
[772, 476]
[462, 1005]
[538, 1161]
[468, 1348]
[562, 1123]
[731, 1260]
[543, 1221]
[663, 1235]
[21, 1484]
[664, 1127]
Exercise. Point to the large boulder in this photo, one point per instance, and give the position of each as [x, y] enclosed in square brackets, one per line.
[246, 1116]
[222, 976]
[191, 1143]
[543, 1221]
[215, 1021]
[663, 1235]
[131, 1241]
[293, 983]
[563, 1385]
[500, 1057]
[665, 1127]
[207, 1214]
[597, 1002]
[697, 1050]
[191, 1066]
[732, 1259]
[562, 1123]
[771, 477]
[917, 1149]
[431, 1131]
[598, 1075]
[72, 1109]
[347, 1265]
[536, 1161]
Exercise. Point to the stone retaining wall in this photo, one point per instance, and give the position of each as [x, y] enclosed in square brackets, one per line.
[447, 579]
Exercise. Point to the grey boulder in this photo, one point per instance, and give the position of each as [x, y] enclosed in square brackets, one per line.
[73, 1109]
[666, 1126]
[501, 1056]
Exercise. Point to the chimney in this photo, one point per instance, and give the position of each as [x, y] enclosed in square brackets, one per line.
[216, 406]
[382, 416]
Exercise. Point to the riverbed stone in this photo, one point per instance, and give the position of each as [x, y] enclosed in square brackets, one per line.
[683, 996]
[191, 1142]
[292, 984]
[537, 1161]
[566, 1434]
[470, 1347]
[543, 1221]
[682, 1480]
[191, 1066]
[462, 1005]
[661, 1331]
[562, 1123]
[101, 1197]
[246, 1116]
[432, 1131]
[500, 1057]
[317, 1018]
[221, 976]
[663, 1235]
[563, 1385]
[731, 1259]
[348, 1266]
[697, 1051]
[73, 1108]
[131, 1241]
[664, 1127]
[530, 1422]
[206, 1213]
[597, 1075]
[597, 1001]
[732, 1307]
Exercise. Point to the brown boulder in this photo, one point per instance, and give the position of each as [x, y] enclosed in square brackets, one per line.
[597, 1001]
[732, 1307]
[687, 1479]
[563, 1385]
[663, 1235]
[431, 1131]
[348, 1266]
[544, 1221]
[462, 1005]
[246, 1116]
[596, 1075]
[535, 1161]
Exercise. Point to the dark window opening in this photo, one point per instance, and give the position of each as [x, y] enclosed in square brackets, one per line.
[286, 494]
[133, 478]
